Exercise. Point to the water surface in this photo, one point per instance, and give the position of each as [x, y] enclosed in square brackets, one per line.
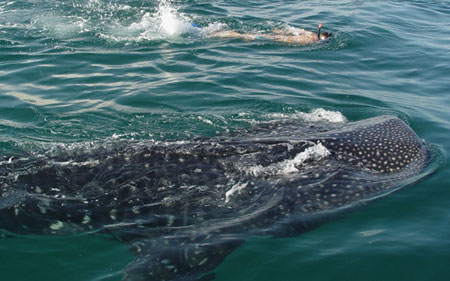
[96, 70]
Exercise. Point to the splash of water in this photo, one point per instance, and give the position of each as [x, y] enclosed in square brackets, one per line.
[165, 23]
[116, 22]
[171, 22]
[316, 115]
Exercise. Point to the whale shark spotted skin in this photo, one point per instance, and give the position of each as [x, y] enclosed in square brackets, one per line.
[183, 206]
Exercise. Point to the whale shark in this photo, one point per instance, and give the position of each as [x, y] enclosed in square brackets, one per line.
[182, 206]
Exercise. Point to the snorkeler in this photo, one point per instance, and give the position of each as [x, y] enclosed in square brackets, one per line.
[298, 36]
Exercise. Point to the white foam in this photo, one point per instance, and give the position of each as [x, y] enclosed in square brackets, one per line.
[316, 115]
[320, 115]
[207, 121]
[286, 167]
[236, 188]
[172, 23]
[166, 23]
[295, 31]
[144, 23]
[62, 27]
[118, 22]
[212, 28]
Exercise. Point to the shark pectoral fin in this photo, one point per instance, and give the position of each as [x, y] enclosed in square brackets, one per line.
[176, 259]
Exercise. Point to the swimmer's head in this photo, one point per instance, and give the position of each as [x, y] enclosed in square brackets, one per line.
[326, 35]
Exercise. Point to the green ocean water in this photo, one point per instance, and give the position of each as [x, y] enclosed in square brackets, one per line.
[97, 70]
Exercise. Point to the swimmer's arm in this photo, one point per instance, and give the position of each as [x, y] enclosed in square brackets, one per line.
[303, 39]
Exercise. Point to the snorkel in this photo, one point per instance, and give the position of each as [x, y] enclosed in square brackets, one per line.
[318, 33]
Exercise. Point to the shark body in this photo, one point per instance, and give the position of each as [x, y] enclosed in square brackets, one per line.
[183, 206]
